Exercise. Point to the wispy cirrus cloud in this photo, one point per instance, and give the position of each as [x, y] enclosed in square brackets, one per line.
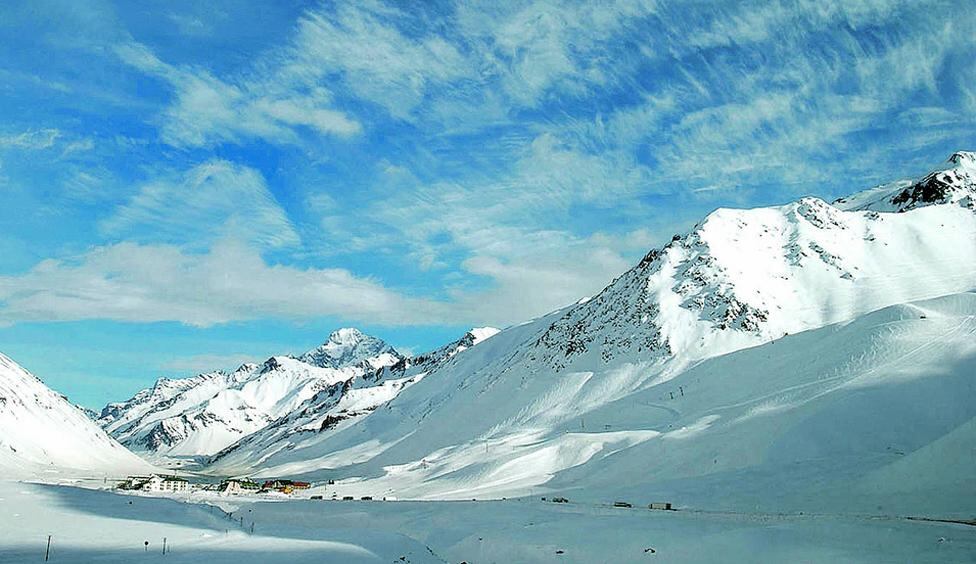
[363, 44]
[510, 246]
[756, 21]
[47, 138]
[534, 48]
[292, 87]
[786, 94]
[478, 58]
[31, 139]
[207, 109]
[209, 202]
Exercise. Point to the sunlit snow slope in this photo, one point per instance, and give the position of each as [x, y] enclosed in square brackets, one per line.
[42, 433]
[629, 387]
[343, 404]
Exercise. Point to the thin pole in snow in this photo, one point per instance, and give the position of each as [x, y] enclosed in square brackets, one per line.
[47, 553]
[164, 545]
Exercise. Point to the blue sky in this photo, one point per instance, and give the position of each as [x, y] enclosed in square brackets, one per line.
[187, 185]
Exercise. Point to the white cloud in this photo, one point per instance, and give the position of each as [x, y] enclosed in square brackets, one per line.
[542, 45]
[42, 139]
[78, 146]
[549, 175]
[532, 123]
[207, 109]
[549, 271]
[213, 200]
[507, 246]
[557, 170]
[31, 139]
[153, 283]
[362, 43]
[147, 283]
[758, 21]
[808, 99]
[479, 60]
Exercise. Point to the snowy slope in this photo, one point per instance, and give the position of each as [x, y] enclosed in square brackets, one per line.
[536, 400]
[206, 413]
[40, 432]
[875, 415]
[342, 404]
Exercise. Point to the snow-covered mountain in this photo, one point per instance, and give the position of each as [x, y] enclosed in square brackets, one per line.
[350, 347]
[954, 181]
[41, 432]
[206, 413]
[343, 403]
[661, 369]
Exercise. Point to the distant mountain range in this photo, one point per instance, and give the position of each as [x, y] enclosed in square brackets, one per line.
[346, 377]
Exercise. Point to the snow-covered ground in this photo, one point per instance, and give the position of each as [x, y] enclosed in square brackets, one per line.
[93, 526]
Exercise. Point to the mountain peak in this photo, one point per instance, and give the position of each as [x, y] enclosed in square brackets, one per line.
[349, 346]
[479, 334]
[347, 335]
[965, 158]
[954, 181]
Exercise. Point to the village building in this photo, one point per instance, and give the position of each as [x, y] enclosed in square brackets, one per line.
[156, 483]
[238, 486]
[172, 484]
[133, 482]
[284, 486]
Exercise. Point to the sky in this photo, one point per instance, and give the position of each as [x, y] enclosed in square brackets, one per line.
[188, 185]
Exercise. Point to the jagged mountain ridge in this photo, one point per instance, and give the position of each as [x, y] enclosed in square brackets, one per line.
[206, 414]
[738, 279]
[343, 403]
[40, 431]
[955, 181]
[711, 277]
[203, 414]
